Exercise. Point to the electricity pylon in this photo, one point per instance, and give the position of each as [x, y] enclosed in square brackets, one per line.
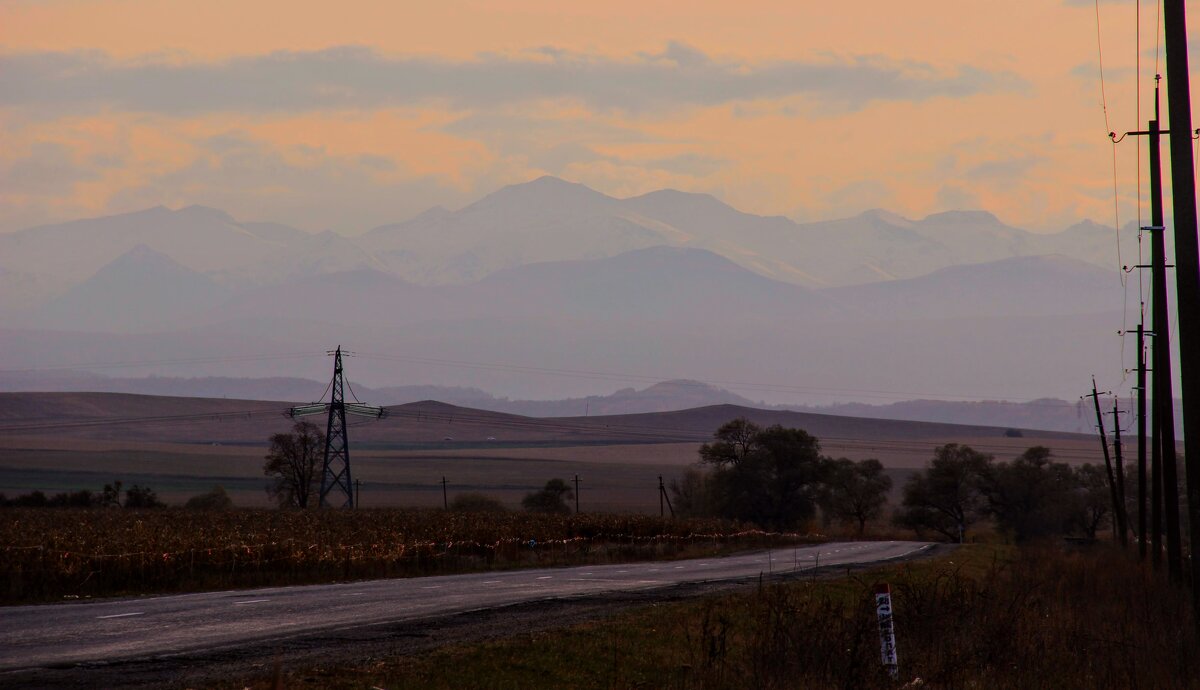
[335, 471]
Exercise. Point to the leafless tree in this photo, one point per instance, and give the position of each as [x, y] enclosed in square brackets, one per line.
[293, 464]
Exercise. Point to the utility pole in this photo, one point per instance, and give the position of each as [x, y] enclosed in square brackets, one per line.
[1120, 470]
[1118, 513]
[445, 498]
[1141, 456]
[1163, 443]
[1187, 260]
[1164, 403]
[576, 494]
[664, 498]
[1164, 480]
[357, 492]
[662, 494]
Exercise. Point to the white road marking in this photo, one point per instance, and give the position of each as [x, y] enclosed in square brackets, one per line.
[122, 615]
[491, 582]
[546, 577]
[432, 587]
[249, 601]
[354, 594]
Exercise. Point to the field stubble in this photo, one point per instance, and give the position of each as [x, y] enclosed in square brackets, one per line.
[52, 554]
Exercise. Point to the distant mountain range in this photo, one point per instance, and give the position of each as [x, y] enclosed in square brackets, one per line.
[540, 290]
[547, 219]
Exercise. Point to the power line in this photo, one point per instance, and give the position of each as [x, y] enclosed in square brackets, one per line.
[152, 362]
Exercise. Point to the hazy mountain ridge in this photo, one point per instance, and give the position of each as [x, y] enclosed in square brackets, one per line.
[697, 301]
[545, 220]
[140, 290]
[670, 312]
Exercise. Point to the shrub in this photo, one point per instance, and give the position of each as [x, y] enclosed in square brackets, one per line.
[214, 499]
[552, 498]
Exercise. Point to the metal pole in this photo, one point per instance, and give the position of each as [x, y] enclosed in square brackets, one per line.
[576, 494]
[445, 499]
[1187, 261]
[357, 492]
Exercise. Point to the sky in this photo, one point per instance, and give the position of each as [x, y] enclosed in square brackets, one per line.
[353, 114]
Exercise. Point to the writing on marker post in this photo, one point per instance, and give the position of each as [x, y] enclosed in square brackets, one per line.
[887, 630]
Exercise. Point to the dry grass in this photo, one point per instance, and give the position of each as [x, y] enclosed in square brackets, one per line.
[985, 617]
[49, 554]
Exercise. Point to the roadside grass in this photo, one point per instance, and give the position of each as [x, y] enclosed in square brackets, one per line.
[984, 616]
[52, 554]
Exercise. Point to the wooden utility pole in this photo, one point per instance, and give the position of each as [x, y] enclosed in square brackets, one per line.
[576, 494]
[1141, 451]
[1163, 443]
[1118, 522]
[1120, 463]
[445, 498]
[1187, 260]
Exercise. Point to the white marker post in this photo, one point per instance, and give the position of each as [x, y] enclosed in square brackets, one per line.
[887, 630]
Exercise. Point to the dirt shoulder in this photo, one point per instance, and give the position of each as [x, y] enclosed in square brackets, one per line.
[362, 646]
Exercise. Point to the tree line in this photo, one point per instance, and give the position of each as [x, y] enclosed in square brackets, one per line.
[111, 496]
[777, 478]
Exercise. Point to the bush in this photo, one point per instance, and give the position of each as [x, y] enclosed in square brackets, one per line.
[142, 497]
[474, 502]
[552, 498]
[215, 499]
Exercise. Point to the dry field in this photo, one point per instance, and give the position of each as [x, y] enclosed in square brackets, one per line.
[48, 554]
[184, 446]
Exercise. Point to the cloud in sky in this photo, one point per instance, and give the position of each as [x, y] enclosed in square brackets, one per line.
[355, 77]
[286, 110]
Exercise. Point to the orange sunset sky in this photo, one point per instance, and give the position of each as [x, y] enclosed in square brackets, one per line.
[345, 115]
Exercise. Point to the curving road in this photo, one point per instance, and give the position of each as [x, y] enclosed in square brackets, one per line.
[56, 635]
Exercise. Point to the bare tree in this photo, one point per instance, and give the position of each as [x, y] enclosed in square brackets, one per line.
[293, 463]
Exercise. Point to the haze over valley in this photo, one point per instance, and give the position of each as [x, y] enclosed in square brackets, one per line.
[549, 289]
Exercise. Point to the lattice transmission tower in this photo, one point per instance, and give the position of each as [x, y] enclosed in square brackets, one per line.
[335, 471]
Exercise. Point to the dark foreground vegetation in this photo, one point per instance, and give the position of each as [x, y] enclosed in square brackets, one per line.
[778, 478]
[982, 617]
[48, 554]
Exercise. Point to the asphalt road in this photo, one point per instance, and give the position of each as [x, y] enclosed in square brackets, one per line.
[57, 635]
